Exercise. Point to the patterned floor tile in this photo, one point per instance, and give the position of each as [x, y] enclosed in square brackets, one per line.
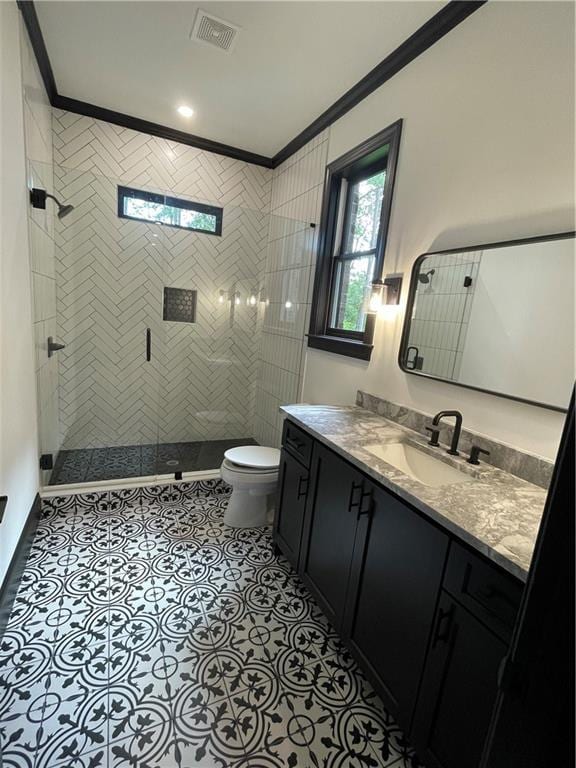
[147, 634]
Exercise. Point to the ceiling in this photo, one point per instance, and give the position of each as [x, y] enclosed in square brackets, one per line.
[291, 61]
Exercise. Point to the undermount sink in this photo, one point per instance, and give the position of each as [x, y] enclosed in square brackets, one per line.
[418, 465]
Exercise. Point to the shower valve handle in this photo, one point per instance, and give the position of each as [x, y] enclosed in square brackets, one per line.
[53, 346]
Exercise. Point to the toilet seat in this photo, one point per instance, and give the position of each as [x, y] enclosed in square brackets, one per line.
[239, 470]
[256, 457]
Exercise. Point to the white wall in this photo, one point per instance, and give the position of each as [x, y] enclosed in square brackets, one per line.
[487, 154]
[520, 337]
[18, 434]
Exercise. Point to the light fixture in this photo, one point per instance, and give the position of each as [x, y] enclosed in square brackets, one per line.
[236, 298]
[185, 111]
[375, 300]
[288, 304]
[393, 285]
[222, 297]
[385, 295]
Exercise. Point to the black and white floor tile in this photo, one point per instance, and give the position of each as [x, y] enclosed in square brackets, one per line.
[147, 634]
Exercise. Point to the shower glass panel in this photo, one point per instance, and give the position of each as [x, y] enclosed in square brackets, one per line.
[178, 344]
[109, 276]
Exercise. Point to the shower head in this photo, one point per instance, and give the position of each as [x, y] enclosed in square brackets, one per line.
[38, 200]
[64, 210]
[426, 277]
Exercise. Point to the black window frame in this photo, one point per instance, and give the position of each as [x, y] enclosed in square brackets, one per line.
[379, 152]
[174, 202]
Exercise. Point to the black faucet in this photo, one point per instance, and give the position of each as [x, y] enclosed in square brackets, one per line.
[457, 428]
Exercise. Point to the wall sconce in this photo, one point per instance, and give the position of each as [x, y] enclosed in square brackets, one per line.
[393, 285]
[236, 298]
[375, 300]
[252, 300]
[222, 297]
[385, 293]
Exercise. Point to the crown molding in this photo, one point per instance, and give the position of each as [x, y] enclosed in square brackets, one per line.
[429, 33]
[452, 14]
[162, 131]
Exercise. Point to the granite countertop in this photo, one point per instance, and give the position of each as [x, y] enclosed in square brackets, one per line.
[498, 513]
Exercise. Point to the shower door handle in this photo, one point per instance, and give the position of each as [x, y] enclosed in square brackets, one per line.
[148, 345]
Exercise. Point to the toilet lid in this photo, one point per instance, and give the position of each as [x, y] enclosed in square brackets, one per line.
[256, 456]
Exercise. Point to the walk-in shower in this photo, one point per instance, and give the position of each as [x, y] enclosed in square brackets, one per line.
[160, 328]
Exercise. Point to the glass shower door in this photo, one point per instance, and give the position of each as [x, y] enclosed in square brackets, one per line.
[211, 360]
[109, 277]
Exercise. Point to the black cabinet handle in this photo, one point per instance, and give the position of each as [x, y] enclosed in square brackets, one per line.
[351, 502]
[3, 502]
[302, 491]
[366, 504]
[443, 626]
[148, 345]
[296, 445]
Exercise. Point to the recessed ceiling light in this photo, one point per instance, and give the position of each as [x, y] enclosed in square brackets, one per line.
[185, 111]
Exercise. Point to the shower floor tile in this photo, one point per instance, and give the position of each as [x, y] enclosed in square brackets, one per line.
[91, 464]
[212, 656]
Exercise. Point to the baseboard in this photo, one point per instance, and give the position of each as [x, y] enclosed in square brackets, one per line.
[11, 582]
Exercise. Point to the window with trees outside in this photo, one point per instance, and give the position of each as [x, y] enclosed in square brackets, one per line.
[172, 211]
[353, 230]
[355, 259]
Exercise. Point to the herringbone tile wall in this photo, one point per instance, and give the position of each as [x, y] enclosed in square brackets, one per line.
[201, 381]
[295, 204]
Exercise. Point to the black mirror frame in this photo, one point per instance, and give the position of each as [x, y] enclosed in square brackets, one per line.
[410, 303]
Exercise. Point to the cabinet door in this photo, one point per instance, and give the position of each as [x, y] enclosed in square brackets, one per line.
[394, 587]
[330, 528]
[290, 506]
[458, 689]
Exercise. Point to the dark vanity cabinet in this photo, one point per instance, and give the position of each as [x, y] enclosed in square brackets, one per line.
[394, 582]
[458, 689]
[472, 629]
[339, 498]
[293, 481]
[427, 619]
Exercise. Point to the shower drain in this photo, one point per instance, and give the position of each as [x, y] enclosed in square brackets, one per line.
[172, 462]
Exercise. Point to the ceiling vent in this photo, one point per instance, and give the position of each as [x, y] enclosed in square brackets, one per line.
[210, 30]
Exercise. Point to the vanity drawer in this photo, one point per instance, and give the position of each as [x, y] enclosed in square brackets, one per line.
[297, 442]
[489, 593]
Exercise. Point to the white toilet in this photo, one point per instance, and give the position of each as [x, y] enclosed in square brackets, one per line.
[252, 471]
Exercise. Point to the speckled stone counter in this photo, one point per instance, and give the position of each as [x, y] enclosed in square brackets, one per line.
[498, 514]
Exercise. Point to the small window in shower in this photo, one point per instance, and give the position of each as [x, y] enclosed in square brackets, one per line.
[172, 211]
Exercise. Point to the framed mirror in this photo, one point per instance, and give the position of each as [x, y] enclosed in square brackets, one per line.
[497, 318]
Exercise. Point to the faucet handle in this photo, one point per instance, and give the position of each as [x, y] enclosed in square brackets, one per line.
[434, 434]
[475, 453]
